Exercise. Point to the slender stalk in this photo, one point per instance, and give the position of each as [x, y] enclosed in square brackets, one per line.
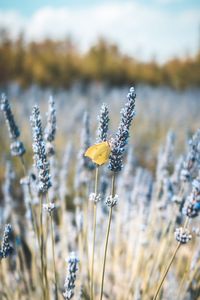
[107, 237]
[34, 219]
[54, 261]
[42, 248]
[94, 234]
[23, 165]
[33, 214]
[53, 251]
[166, 271]
[170, 263]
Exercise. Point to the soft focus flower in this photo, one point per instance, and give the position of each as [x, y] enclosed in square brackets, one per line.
[39, 151]
[6, 248]
[71, 276]
[103, 124]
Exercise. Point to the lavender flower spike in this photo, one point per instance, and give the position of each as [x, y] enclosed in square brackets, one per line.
[16, 147]
[103, 124]
[50, 130]
[122, 135]
[6, 249]
[14, 132]
[39, 151]
[71, 276]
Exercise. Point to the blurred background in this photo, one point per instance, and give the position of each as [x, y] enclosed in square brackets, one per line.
[89, 52]
[60, 43]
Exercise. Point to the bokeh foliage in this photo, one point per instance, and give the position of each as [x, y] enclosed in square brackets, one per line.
[60, 64]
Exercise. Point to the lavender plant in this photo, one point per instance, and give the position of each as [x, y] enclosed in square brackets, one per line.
[70, 280]
[40, 157]
[50, 130]
[16, 146]
[116, 163]
[120, 141]
[6, 248]
[95, 197]
[103, 118]
[135, 261]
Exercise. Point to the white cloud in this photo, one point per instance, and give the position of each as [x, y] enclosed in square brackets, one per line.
[138, 29]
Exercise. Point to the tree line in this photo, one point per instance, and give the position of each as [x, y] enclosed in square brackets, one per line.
[60, 64]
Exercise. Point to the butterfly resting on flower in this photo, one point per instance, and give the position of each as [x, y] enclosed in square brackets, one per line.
[99, 153]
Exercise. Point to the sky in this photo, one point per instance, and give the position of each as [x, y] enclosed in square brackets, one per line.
[146, 29]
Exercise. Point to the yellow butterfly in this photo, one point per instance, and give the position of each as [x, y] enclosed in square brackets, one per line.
[99, 153]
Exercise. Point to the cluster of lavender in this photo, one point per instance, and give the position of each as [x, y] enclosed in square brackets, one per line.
[50, 130]
[71, 276]
[182, 235]
[192, 205]
[6, 249]
[192, 160]
[49, 137]
[103, 124]
[121, 138]
[16, 146]
[111, 201]
[39, 150]
[95, 197]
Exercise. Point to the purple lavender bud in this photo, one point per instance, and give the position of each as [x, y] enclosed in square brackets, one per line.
[182, 235]
[122, 135]
[50, 130]
[191, 209]
[192, 160]
[17, 148]
[39, 150]
[103, 124]
[6, 249]
[14, 132]
[71, 277]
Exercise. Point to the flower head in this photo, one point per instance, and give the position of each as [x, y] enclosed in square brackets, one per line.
[182, 235]
[12, 127]
[6, 248]
[39, 151]
[71, 276]
[103, 124]
[50, 130]
[119, 142]
[16, 147]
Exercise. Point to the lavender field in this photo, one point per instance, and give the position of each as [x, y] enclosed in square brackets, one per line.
[121, 224]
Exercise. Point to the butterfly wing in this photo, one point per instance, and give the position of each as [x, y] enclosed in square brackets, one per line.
[90, 152]
[103, 155]
[99, 153]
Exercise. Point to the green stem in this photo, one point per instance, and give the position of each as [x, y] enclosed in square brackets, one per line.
[34, 219]
[53, 251]
[107, 236]
[42, 248]
[170, 263]
[94, 234]
[166, 272]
